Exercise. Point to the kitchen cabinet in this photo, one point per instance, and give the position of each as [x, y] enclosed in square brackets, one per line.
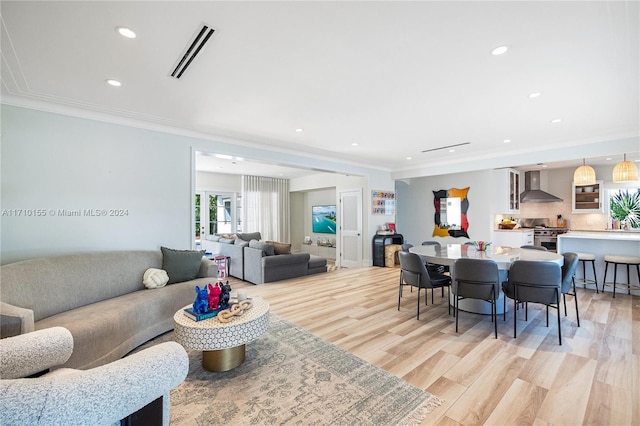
[587, 198]
[512, 238]
[507, 185]
[323, 251]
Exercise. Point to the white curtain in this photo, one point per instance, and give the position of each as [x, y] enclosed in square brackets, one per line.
[266, 207]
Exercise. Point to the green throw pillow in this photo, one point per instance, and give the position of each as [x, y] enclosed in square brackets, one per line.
[181, 265]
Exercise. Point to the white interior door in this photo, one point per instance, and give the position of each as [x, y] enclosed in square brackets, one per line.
[350, 228]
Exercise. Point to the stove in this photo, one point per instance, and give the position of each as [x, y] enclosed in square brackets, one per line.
[547, 237]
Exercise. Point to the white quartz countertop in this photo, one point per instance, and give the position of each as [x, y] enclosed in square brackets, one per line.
[514, 230]
[602, 235]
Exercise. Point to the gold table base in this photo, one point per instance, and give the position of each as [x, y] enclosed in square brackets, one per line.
[223, 359]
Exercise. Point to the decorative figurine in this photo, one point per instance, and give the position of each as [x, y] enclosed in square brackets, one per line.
[236, 310]
[200, 304]
[226, 294]
[214, 296]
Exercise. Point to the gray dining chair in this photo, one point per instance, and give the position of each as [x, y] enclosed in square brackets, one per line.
[406, 246]
[414, 272]
[535, 282]
[477, 279]
[568, 281]
[432, 267]
[534, 248]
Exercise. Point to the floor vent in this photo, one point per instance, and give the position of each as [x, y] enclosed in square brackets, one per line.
[192, 51]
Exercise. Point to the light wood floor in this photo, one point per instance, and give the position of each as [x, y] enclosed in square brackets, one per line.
[593, 378]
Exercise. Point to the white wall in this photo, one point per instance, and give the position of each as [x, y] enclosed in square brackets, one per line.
[208, 181]
[58, 162]
[415, 210]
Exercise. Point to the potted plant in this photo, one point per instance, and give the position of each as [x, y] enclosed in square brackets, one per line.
[625, 207]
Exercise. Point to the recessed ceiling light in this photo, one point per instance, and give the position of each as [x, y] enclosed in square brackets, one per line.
[499, 50]
[506, 140]
[299, 130]
[609, 158]
[452, 150]
[556, 121]
[114, 83]
[408, 158]
[355, 144]
[126, 32]
[534, 94]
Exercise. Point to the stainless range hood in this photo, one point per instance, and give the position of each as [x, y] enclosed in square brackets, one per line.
[532, 192]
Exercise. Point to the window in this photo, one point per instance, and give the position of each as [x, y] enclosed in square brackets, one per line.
[221, 213]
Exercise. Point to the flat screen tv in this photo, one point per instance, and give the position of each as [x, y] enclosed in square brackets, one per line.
[323, 219]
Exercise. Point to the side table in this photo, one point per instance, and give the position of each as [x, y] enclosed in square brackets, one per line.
[222, 344]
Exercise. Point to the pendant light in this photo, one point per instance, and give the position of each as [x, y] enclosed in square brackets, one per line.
[584, 175]
[625, 171]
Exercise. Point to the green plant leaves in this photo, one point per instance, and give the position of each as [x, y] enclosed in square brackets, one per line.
[625, 207]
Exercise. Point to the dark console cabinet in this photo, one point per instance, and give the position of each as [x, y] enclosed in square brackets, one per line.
[378, 244]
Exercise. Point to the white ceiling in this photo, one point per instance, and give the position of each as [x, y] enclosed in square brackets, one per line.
[396, 78]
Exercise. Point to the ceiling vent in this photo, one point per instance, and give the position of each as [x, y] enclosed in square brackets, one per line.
[193, 50]
[445, 147]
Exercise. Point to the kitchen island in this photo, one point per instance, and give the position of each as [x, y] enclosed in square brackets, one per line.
[602, 243]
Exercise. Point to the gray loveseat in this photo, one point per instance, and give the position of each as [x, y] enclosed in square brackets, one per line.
[99, 297]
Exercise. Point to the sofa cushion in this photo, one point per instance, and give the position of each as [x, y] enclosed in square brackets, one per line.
[261, 245]
[227, 240]
[241, 243]
[213, 238]
[181, 265]
[280, 248]
[248, 236]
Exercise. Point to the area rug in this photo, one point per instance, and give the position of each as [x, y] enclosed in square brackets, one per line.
[291, 377]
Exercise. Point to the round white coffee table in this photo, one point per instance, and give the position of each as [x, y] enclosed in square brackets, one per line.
[222, 344]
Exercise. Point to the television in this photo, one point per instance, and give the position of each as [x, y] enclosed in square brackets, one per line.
[323, 219]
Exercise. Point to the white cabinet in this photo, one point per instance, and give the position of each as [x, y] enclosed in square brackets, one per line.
[512, 238]
[322, 251]
[587, 198]
[507, 187]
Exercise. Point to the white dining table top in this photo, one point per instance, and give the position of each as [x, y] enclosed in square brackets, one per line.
[504, 256]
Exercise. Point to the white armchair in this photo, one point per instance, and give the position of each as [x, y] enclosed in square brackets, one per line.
[100, 396]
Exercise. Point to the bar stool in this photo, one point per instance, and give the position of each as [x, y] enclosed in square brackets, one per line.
[620, 260]
[584, 258]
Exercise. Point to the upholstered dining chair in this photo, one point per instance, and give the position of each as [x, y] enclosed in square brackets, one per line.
[432, 267]
[541, 248]
[406, 246]
[477, 279]
[568, 281]
[414, 272]
[536, 282]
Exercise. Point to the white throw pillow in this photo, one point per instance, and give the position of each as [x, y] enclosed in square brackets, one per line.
[155, 278]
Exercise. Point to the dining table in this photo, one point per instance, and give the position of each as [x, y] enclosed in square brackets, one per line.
[504, 256]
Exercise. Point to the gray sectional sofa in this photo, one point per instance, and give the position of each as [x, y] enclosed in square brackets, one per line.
[261, 262]
[99, 297]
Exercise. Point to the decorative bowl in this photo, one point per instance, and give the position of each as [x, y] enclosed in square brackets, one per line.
[481, 245]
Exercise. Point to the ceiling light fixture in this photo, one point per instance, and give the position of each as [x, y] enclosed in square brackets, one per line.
[556, 121]
[506, 140]
[452, 150]
[499, 50]
[584, 175]
[625, 171]
[114, 83]
[535, 95]
[355, 144]
[408, 158]
[126, 32]
[299, 130]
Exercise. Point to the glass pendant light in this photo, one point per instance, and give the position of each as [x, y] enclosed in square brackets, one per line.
[625, 171]
[584, 175]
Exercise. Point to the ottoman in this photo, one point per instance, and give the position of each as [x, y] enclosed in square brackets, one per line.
[316, 265]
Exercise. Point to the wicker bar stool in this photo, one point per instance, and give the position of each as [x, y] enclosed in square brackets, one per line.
[621, 260]
[584, 258]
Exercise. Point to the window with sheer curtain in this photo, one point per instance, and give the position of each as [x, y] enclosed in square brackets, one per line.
[266, 207]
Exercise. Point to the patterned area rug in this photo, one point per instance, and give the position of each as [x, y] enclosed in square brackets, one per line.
[291, 377]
